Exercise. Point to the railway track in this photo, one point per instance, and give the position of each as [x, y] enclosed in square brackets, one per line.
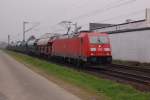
[135, 69]
[136, 76]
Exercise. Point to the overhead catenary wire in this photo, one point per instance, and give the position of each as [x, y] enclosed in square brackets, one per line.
[118, 17]
[104, 9]
[124, 15]
[78, 17]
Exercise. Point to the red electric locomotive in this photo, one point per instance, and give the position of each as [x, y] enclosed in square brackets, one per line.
[83, 47]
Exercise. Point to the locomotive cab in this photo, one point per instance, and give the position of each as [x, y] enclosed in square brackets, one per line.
[99, 48]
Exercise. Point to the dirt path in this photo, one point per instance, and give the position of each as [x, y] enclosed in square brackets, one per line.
[17, 82]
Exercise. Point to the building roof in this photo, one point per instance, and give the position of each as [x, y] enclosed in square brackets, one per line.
[112, 25]
[94, 26]
[128, 30]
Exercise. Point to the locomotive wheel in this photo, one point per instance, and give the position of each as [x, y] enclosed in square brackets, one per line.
[109, 60]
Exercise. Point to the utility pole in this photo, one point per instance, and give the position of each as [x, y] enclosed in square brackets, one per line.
[24, 28]
[24, 31]
[8, 40]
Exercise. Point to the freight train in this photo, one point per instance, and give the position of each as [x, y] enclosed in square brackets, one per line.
[83, 47]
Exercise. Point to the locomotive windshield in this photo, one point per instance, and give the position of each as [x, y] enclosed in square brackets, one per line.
[99, 40]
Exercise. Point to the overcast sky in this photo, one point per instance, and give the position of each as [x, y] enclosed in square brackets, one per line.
[50, 12]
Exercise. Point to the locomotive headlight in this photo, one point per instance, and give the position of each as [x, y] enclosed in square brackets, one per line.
[106, 49]
[92, 54]
[99, 46]
[93, 49]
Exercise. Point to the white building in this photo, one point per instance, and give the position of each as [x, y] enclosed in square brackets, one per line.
[131, 40]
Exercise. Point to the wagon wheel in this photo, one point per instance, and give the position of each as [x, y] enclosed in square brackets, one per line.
[80, 63]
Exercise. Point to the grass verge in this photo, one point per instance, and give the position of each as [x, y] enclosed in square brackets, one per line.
[112, 90]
